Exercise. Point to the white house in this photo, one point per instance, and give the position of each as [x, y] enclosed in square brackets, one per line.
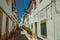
[44, 19]
[6, 20]
[47, 13]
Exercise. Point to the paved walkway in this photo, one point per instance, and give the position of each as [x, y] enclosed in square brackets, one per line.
[19, 36]
[28, 36]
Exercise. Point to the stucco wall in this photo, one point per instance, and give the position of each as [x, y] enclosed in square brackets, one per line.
[4, 24]
[7, 8]
[53, 20]
[10, 25]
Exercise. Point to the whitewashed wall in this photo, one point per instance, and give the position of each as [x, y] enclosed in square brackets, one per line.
[7, 8]
[10, 27]
[57, 26]
[53, 19]
[4, 24]
[57, 20]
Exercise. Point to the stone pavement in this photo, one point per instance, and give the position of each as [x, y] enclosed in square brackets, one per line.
[23, 35]
[19, 36]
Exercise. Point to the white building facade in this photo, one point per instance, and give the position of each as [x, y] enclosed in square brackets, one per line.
[6, 20]
[47, 12]
[44, 19]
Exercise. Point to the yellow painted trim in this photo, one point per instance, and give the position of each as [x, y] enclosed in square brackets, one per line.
[34, 35]
[7, 2]
[40, 1]
[34, 5]
[42, 21]
[44, 36]
[3, 37]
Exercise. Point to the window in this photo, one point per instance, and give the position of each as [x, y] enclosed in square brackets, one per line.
[43, 29]
[32, 27]
[35, 4]
[7, 1]
[40, 1]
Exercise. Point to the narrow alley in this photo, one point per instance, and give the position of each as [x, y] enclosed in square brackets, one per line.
[29, 19]
[19, 36]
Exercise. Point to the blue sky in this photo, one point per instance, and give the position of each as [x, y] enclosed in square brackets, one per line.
[21, 5]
